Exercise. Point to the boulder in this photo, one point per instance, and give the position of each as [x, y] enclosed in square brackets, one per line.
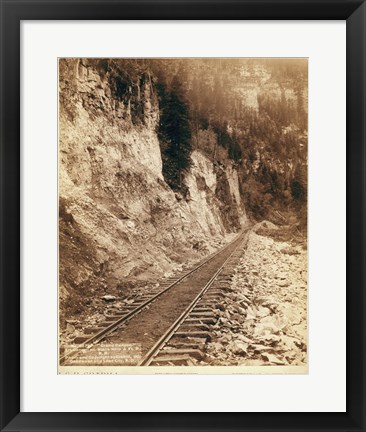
[238, 347]
[109, 298]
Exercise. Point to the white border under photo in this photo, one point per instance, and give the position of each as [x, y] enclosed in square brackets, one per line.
[323, 389]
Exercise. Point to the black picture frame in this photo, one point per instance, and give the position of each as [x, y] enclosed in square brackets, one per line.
[12, 12]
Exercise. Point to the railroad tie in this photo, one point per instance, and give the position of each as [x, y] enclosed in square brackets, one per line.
[200, 333]
[186, 344]
[182, 360]
[203, 320]
[90, 330]
[193, 353]
[201, 309]
[80, 339]
[204, 314]
[110, 318]
[189, 326]
[107, 323]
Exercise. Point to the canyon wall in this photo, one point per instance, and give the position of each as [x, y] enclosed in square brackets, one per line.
[119, 221]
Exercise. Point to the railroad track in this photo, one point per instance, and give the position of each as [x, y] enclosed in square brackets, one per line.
[183, 343]
[94, 335]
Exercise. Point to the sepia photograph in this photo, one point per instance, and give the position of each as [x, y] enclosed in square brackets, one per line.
[182, 215]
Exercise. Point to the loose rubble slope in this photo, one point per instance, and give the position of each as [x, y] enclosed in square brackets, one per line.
[263, 320]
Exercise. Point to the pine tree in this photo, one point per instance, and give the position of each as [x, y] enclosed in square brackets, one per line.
[175, 131]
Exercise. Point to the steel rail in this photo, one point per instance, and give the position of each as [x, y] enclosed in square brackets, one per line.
[115, 324]
[159, 345]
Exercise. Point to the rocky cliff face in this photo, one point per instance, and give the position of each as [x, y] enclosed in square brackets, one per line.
[119, 220]
[259, 80]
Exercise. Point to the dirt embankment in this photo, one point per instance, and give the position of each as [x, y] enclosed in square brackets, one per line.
[99, 307]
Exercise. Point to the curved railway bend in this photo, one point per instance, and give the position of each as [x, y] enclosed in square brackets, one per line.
[170, 326]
